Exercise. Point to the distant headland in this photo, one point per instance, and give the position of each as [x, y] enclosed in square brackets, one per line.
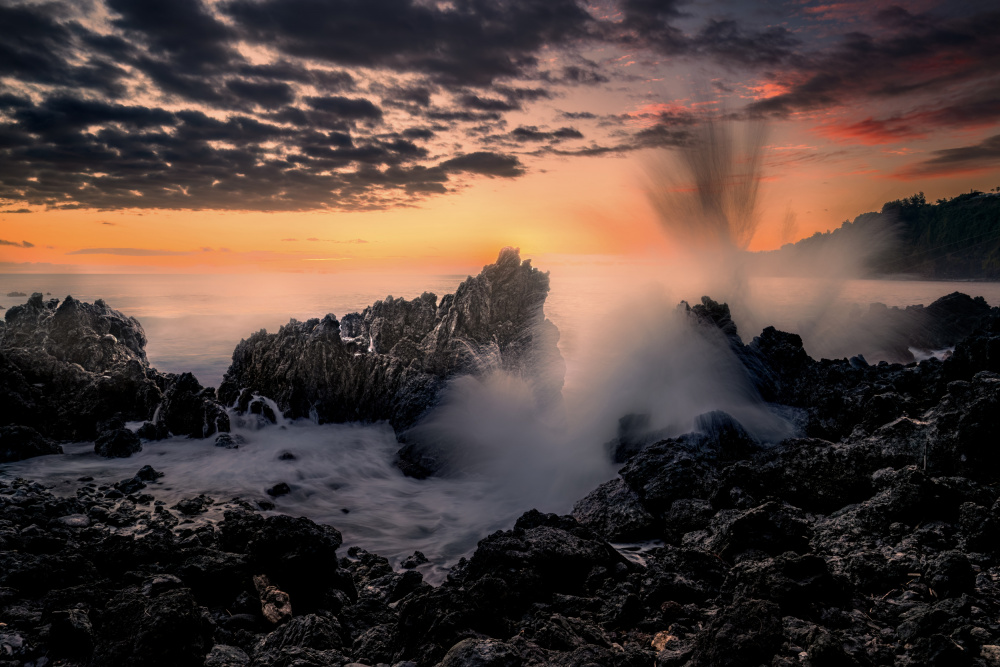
[950, 239]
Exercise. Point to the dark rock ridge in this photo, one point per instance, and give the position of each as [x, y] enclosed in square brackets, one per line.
[78, 371]
[392, 361]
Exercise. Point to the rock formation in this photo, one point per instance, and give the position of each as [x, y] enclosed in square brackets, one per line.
[77, 371]
[391, 361]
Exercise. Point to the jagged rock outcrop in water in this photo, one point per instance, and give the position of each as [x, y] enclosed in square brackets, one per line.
[75, 371]
[391, 361]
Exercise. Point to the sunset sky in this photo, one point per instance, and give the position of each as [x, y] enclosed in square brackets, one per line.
[374, 135]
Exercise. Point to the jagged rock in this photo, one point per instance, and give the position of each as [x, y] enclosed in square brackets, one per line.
[23, 442]
[167, 629]
[149, 474]
[190, 409]
[222, 655]
[481, 653]
[746, 634]
[229, 440]
[279, 489]
[117, 443]
[392, 361]
[615, 512]
[68, 366]
[412, 561]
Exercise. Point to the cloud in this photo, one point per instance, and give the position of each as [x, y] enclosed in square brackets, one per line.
[357, 105]
[901, 61]
[486, 164]
[22, 244]
[956, 161]
[129, 252]
[17, 210]
[532, 133]
[473, 42]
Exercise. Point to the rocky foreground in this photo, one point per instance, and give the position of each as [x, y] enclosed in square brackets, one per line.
[871, 540]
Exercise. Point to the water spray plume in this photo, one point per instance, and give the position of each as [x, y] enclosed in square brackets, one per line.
[705, 193]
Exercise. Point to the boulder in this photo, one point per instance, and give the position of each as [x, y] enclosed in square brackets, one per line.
[23, 442]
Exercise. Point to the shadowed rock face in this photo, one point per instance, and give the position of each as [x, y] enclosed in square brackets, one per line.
[70, 366]
[391, 361]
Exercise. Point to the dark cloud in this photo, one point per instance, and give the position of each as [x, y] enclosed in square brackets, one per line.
[36, 46]
[164, 106]
[574, 74]
[471, 42]
[17, 210]
[22, 244]
[182, 30]
[488, 104]
[729, 42]
[128, 252]
[920, 57]
[486, 164]
[956, 161]
[345, 107]
[270, 95]
[532, 133]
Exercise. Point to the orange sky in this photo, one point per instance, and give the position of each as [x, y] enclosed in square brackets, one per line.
[576, 152]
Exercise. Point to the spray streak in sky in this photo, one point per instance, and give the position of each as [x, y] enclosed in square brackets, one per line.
[705, 193]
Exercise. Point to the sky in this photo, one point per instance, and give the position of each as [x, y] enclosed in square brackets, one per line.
[398, 135]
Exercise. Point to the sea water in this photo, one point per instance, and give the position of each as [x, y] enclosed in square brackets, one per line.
[616, 336]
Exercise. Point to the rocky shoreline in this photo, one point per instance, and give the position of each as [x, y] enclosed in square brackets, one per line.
[871, 539]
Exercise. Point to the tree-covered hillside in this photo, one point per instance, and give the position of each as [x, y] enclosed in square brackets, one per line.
[951, 239]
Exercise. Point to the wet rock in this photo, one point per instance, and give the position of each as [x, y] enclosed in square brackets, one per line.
[88, 358]
[308, 631]
[229, 440]
[149, 474]
[748, 633]
[23, 442]
[188, 409]
[149, 431]
[192, 506]
[615, 512]
[297, 555]
[222, 655]
[413, 560]
[481, 653]
[770, 529]
[166, 629]
[392, 361]
[279, 489]
[727, 435]
[671, 470]
[117, 443]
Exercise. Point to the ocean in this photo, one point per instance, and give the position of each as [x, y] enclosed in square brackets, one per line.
[622, 350]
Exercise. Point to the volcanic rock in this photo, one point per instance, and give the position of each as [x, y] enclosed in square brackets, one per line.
[392, 361]
[23, 442]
